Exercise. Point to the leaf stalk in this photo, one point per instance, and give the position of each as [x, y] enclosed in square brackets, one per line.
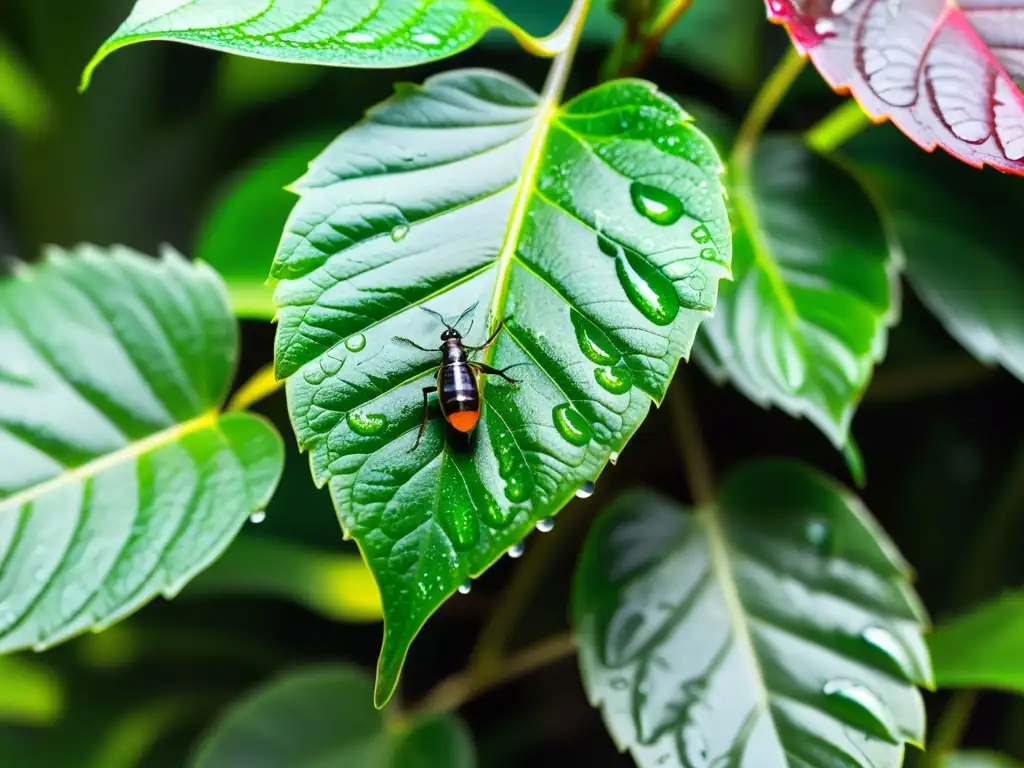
[837, 127]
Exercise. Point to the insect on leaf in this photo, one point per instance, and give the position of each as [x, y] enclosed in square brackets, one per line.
[775, 628]
[944, 71]
[596, 230]
[120, 479]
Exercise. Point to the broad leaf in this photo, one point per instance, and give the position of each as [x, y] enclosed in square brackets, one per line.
[119, 479]
[322, 717]
[243, 227]
[596, 230]
[343, 33]
[961, 260]
[775, 629]
[982, 649]
[805, 320]
[941, 70]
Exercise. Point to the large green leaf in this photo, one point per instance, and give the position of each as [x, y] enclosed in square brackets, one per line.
[344, 33]
[775, 629]
[598, 232]
[982, 649]
[321, 717]
[805, 321]
[119, 480]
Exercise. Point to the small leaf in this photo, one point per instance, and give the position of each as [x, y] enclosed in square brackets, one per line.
[943, 72]
[322, 717]
[342, 33]
[119, 478]
[805, 320]
[30, 693]
[982, 649]
[776, 629]
[241, 232]
[595, 230]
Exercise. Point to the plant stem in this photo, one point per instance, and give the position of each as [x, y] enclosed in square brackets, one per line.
[837, 127]
[262, 384]
[930, 378]
[691, 443]
[765, 104]
[951, 727]
[650, 39]
[457, 690]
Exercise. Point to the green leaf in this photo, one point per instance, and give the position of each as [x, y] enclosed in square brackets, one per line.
[119, 478]
[978, 759]
[805, 320]
[341, 33]
[982, 649]
[321, 717]
[596, 230]
[243, 227]
[23, 102]
[777, 628]
[29, 693]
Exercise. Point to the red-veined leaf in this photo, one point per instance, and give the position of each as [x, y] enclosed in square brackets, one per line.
[941, 70]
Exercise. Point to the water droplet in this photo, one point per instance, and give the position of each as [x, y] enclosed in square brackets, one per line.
[883, 645]
[399, 232]
[586, 490]
[617, 380]
[513, 469]
[856, 705]
[824, 27]
[619, 683]
[614, 458]
[355, 343]
[709, 253]
[366, 424]
[330, 365]
[516, 551]
[701, 234]
[314, 376]
[571, 424]
[257, 517]
[458, 518]
[357, 37]
[703, 183]
[818, 535]
[659, 206]
[649, 291]
[594, 343]
[546, 525]
[465, 587]
[426, 38]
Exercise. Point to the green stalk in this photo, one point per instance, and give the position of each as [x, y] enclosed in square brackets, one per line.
[837, 127]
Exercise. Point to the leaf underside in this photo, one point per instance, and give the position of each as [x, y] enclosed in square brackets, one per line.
[777, 629]
[344, 33]
[944, 72]
[597, 230]
[806, 318]
[119, 480]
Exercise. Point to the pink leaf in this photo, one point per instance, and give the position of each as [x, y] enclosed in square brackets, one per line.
[942, 70]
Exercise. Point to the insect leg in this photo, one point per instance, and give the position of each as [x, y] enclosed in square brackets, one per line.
[412, 343]
[481, 368]
[426, 414]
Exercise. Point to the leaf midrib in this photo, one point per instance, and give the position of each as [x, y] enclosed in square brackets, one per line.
[106, 461]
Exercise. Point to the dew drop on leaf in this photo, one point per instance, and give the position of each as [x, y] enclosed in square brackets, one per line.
[314, 376]
[571, 424]
[512, 468]
[355, 343]
[399, 232]
[546, 525]
[586, 490]
[491, 511]
[257, 517]
[655, 204]
[818, 535]
[594, 343]
[882, 644]
[613, 458]
[465, 587]
[648, 290]
[700, 234]
[366, 424]
[357, 37]
[516, 551]
[426, 38]
[330, 365]
[458, 518]
[853, 703]
[617, 380]
[709, 254]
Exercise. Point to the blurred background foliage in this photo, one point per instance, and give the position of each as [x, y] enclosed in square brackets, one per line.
[178, 145]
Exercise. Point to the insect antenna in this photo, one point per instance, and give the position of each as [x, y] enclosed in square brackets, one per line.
[464, 313]
[438, 315]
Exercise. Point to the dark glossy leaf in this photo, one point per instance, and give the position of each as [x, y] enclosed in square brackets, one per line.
[120, 480]
[344, 33]
[776, 629]
[240, 234]
[943, 72]
[805, 320]
[596, 230]
[982, 649]
[321, 718]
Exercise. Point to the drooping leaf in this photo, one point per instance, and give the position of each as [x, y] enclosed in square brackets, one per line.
[977, 759]
[775, 629]
[322, 716]
[961, 260]
[119, 479]
[596, 230]
[982, 649]
[342, 33]
[943, 72]
[242, 230]
[806, 318]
